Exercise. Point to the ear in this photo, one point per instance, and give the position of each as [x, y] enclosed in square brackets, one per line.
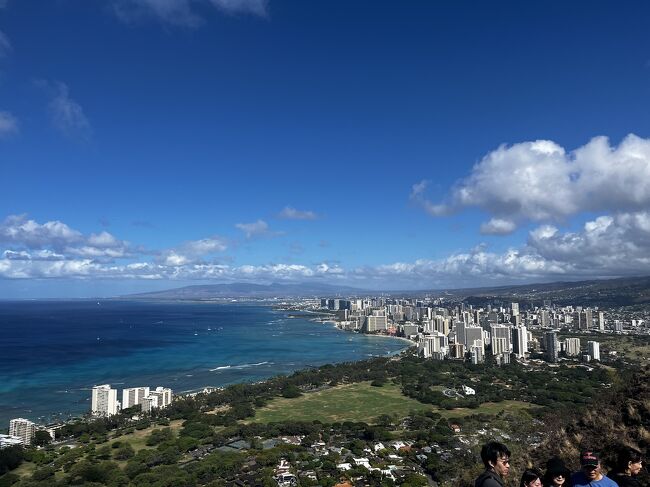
[491, 463]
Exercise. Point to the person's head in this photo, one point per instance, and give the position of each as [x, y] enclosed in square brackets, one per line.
[496, 457]
[590, 464]
[556, 472]
[629, 461]
[531, 478]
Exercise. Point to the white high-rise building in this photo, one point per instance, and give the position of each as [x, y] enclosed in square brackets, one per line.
[133, 396]
[520, 341]
[501, 331]
[515, 309]
[593, 349]
[477, 353]
[499, 346]
[435, 345]
[104, 401]
[572, 346]
[164, 395]
[23, 429]
[601, 321]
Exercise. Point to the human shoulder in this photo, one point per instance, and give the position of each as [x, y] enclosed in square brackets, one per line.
[607, 482]
[488, 479]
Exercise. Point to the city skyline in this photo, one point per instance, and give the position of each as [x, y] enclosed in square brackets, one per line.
[148, 145]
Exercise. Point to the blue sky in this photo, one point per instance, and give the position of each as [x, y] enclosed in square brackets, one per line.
[148, 144]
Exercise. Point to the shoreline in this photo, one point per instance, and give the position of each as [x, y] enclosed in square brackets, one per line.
[65, 412]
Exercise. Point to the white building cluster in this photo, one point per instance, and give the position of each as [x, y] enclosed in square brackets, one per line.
[105, 403]
[468, 333]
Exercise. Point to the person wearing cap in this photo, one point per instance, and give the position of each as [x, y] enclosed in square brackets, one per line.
[590, 475]
[557, 475]
[496, 458]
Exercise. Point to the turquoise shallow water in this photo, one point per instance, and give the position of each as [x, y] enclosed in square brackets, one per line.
[53, 352]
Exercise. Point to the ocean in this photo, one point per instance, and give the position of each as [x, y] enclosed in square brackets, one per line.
[53, 352]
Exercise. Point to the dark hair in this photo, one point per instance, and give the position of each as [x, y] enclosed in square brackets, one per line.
[492, 451]
[554, 467]
[530, 475]
[626, 456]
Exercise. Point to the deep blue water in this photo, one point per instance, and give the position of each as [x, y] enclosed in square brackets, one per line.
[53, 352]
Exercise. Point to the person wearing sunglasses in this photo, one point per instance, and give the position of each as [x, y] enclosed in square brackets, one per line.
[557, 474]
[496, 458]
[590, 474]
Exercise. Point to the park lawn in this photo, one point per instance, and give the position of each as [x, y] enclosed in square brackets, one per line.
[138, 439]
[361, 402]
[25, 469]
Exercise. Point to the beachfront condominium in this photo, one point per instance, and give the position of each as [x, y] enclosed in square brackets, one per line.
[104, 401]
[23, 429]
[133, 396]
[159, 398]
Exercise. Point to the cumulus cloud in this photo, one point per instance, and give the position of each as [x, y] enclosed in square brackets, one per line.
[181, 12]
[289, 213]
[56, 239]
[605, 246]
[193, 251]
[541, 182]
[8, 124]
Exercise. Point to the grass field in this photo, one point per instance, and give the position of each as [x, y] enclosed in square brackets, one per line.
[361, 402]
[138, 439]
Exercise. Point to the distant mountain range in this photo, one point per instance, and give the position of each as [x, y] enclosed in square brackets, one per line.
[247, 290]
[607, 292]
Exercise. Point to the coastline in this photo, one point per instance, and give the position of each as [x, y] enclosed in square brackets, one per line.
[255, 344]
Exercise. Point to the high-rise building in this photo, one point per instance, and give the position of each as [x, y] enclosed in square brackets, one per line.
[459, 328]
[501, 331]
[551, 346]
[601, 321]
[515, 309]
[104, 401]
[433, 346]
[572, 347]
[589, 320]
[593, 349]
[164, 395]
[477, 353]
[544, 318]
[457, 351]
[618, 326]
[499, 346]
[520, 341]
[473, 333]
[23, 429]
[133, 396]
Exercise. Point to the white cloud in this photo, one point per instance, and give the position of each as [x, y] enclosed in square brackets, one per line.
[17, 229]
[181, 12]
[5, 45]
[540, 181]
[255, 229]
[66, 114]
[8, 124]
[55, 240]
[498, 226]
[193, 251]
[605, 246]
[289, 213]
